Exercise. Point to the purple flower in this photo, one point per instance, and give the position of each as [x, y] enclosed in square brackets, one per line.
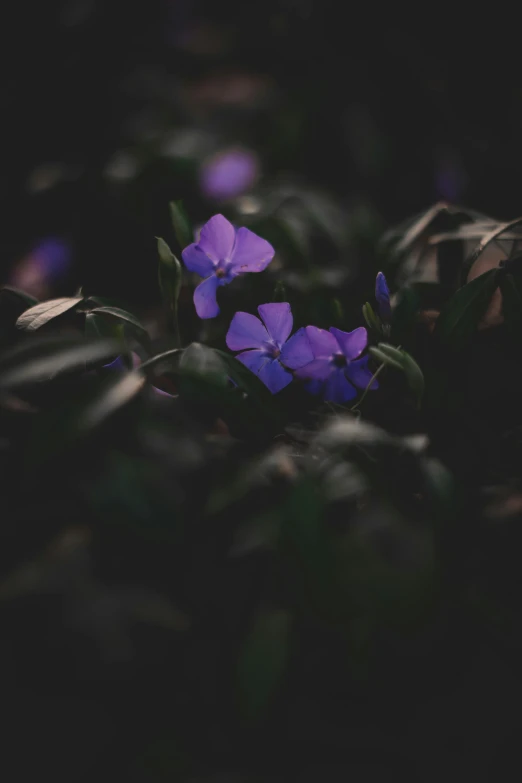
[271, 353]
[46, 264]
[228, 174]
[222, 254]
[382, 294]
[336, 370]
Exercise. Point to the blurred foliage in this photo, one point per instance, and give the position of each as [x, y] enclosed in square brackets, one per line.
[202, 578]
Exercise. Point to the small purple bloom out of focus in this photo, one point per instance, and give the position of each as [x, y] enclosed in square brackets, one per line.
[229, 174]
[336, 372]
[266, 348]
[382, 294]
[222, 254]
[47, 262]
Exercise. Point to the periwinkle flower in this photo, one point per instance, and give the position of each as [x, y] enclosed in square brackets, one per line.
[222, 254]
[336, 372]
[382, 294]
[267, 348]
[228, 174]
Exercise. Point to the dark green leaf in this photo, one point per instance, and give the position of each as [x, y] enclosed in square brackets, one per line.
[199, 360]
[262, 661]
[170, 278]
[384, 358]
[127, 319]
[42, 313]
[181, 223]
[122, 315]
[458, 320]
[370, 317]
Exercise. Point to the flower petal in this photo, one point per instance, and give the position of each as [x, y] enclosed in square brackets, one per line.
[274, 376]
[382, 294]
[217, 238]
[197, 261]
[251, 253]
[359, 374]
[278, 320]
[246, 331]
[318, 369]
[296, 352]
[205, 298]
[268, 370]
[322, 343]
[352, 343]
[338, 389]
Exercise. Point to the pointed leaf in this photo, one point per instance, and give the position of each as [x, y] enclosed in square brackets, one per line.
[42, 313]
[181, 223]
[127, 319]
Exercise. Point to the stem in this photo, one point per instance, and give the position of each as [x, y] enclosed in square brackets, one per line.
[365, 392]
[175, 325]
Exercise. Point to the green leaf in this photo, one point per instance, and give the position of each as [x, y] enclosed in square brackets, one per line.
[385, 358]
[96, 326]
[42, 313]
[181, 223]
[128, 319]
[122, 315]
[161, 358]
[43, 360]
[372, 320]
[170, 278]
[263, 661]
[198, 360]
[458, 320]
[401, 360]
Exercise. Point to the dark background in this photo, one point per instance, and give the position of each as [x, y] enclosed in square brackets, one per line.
[387, 112]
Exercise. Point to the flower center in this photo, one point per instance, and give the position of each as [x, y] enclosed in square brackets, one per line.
[272, 349]
[339, 360]
[220, 272]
